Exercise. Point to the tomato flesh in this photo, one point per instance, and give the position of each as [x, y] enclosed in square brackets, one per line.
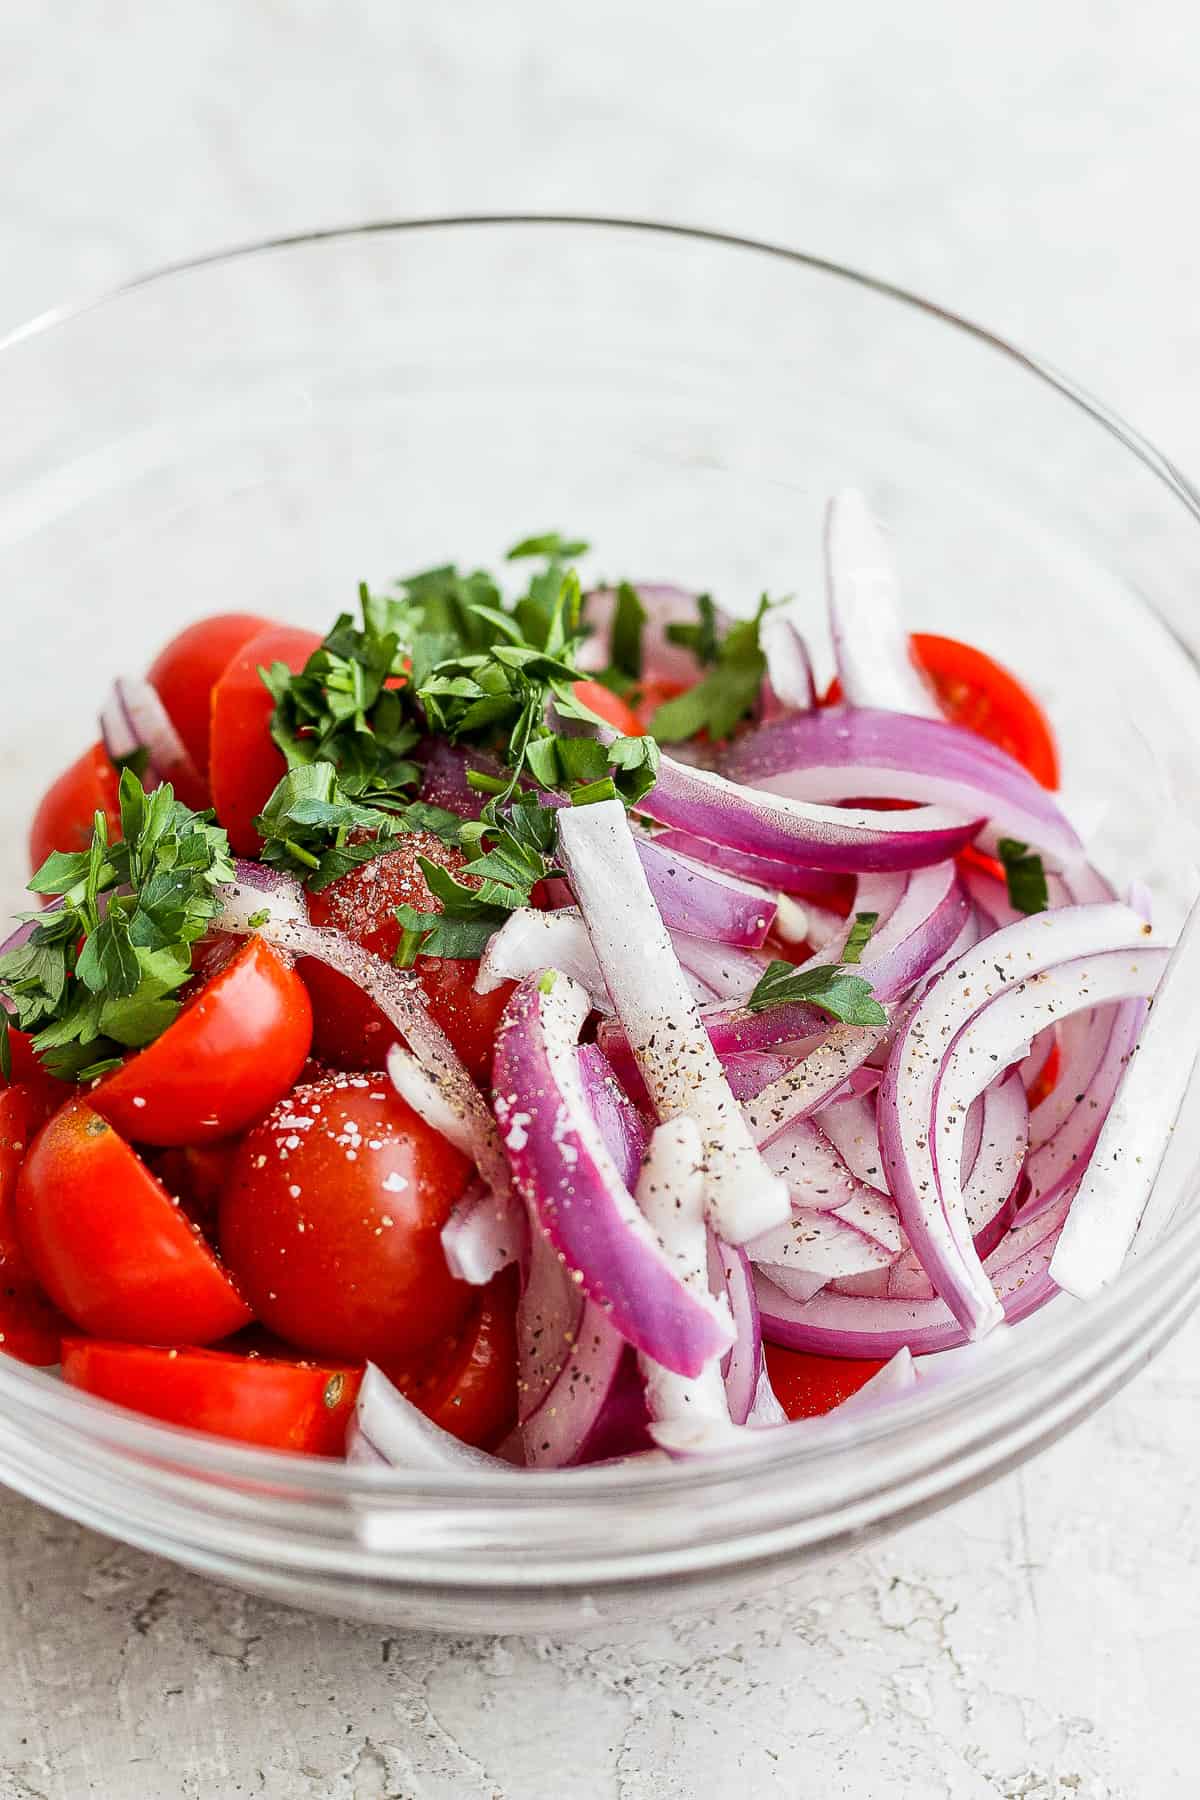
[332, 1222]
[230, 1054]
[275, 1403]
[979, 694]
[110, 1247]
[348, 1028]
[63, 820]
[609, 706]
[652, 693]
[468, 1385]
[185, 672]
[807, 1385]
[245, 766]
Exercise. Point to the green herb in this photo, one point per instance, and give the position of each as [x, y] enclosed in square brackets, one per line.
[729, 691]
[312, 827]
[625, 634]
[847, 998]
[1025, 875]
[859, 936]
[257, 920]
[101, 972]
[551, 544]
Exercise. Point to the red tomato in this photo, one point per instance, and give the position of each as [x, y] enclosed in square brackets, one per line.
[608, 706]
[244, 765]
[232, 1051]
[349, 1029]
[278, 1405]
[63, 821]
[196, 1175]
[30, 1072]
[652, 693]
[187, 670]
[332, 1222]
[469, 1384]
[109, 1245]
[808, 1385]
[30, 1328]
[981, 696]
[1047, 1081]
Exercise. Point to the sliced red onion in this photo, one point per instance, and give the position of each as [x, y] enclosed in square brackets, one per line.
[670, 1192]
[549, 1313]
[730, 1273]
[817, 1246]
[704, 902]
[822, 1074]
[818, 1180]
[917, 1108]
[809, 924]
[897, 1377]
[134, 718]
[766, 1409]
[775, 877]
[484, 1234]
[574, 1188]
[852, 1129]
[595, 1408]
[444, 781]
[836, 753]
[401, 1436]
[845, 840]
[1124, 1165]
[623, 1127]
[835, 1324]
[257, 889]
[1033, 1067]
[650, 994]
[790, 685]
[870, 642]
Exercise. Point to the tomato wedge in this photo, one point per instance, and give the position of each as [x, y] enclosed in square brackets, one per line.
[469, 1384]
[232, 1051]
[274, 1403]
[63, 820]
[108, 1244]
[979, 694]
[244, 766]
[808, 1385]
[608, 706]
[185, 672]
[652, 693]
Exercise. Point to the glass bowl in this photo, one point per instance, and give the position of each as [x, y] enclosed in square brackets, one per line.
[262, 429]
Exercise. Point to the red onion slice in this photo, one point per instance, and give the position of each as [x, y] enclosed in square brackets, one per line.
[775, 877]
[790, 685]
[704, 902]
[870, 642]
[1057, 1161]
[401, 1436]
[663, 604]
[650, 994]
[836, 753]
[134, 718]
[670, 1192]
[730, 1273]
[595, 1408]
[483, 1235]
[921, 1169]
[1124, 1166]
[574, 1189]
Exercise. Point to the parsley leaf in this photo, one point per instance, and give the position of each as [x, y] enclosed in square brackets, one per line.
[100, 973]
[730, 689]
[859, 937]
[1025, 875]
[551, 544]
[847, 998]
[312, 827]
[625, 633]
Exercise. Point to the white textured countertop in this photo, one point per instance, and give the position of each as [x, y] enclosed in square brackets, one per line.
[1038, 1642]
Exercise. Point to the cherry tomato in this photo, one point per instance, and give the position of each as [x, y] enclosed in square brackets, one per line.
[63, 821]
[278, 1405]
[608, 706]
[982, 696]
[234, 1049]
[30, 1328]
[244, 765]
[468, 1385]
[332, 1222]
[108, 1244]
[349, 1029]
[1047, 1081]
[30, 1072]
[196, 1175]
[807, 1385]
[185, 672]
[652, 693]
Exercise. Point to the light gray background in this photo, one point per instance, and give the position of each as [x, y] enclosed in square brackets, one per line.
[1031, 165]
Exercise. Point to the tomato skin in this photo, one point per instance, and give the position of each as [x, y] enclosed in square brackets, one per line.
[982, 696]
[332, 1222]
[276, 1404]
[185, 672]
[807, 1385]
[109, 1246]
[29, 1072]
[229, 1055]
[63, 820]
[244, 765]
[469, 1384]
[348, 1028]
[608, 706]
[652, 693]
[30, 1327]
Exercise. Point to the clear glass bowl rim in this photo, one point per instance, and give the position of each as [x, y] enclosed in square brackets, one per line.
[942, 1442]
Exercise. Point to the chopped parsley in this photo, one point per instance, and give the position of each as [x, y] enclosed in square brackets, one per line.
[1025, 875]
[100, 974]
[729, 692]
[847, 998]
[859, 936]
